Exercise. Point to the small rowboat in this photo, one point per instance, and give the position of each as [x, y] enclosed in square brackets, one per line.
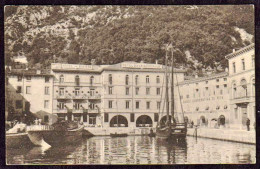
[118, 135]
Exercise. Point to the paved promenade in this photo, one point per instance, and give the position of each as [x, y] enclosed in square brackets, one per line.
[241, 136]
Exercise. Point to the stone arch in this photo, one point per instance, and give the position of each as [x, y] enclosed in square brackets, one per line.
[221, 120]
[144, 121]
[119, 121]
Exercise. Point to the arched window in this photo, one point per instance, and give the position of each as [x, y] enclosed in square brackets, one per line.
[158, 79]
[147, 79]
[234, 90]
[136, 80]
[126, 79]
[61, 78]
[77, 80]
[110, 79]
[91, 80]
[253, 87]
[243, 88]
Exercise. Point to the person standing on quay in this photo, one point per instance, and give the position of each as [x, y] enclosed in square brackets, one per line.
[248, 124]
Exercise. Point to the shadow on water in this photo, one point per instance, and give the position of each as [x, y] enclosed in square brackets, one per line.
[176, 149]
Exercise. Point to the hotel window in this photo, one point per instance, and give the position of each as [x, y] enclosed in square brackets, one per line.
[77, 80]
[19, 89]
[92, 106]
[61, 105]
[158, 91]
[19, 78]
[158, 105]
[132, 117]
[158, 79]
[127, 80]
[221, 91]
[106, 117]
[28, 89]
[92, 92]
[253, 61]
[127, 91]
[61, 78]
[92, 119]
[217, 80]
[225, 107]
[156, 117]
[147, 79]
[110, 79]
[127, 104]
[91, 80]
[47, 90]
[110, 104]
[110, 90]
[236, 113]
[136, 90]
[187, 96]
[253, 87]
[234, 90]
[77, 92]
[47, 79]
[76, 105]
[225, 79]
[206, 82]
[137, 104]
[147, 105]
[147, 91]
[18, 104]
[46, 104]
[234, 67]
[136, 80]
[243, 64]
[28, 77]
[61, 91]
[181, 97]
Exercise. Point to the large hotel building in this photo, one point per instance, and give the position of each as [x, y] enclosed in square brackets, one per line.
[131, 94]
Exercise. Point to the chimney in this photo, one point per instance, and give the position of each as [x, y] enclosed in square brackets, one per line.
[196, 75]
[38, 72]
[226, 69]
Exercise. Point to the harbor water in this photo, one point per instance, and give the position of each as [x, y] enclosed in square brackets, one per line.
[137, 150]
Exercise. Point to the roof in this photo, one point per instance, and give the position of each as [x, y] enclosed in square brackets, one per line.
[240, 51]
[208, 77]
[30, 72]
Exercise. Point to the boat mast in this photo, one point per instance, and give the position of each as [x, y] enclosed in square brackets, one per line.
[166, 90]
[172, 90]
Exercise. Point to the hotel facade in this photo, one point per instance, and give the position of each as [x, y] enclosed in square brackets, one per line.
[131, 94]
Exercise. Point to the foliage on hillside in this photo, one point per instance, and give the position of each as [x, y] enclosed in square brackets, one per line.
[111, 34]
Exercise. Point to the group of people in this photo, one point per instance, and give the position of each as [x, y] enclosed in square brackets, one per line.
[38, 121]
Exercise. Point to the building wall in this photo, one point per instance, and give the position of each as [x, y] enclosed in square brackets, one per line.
[242, 103]
[37, 95]
[208, 98]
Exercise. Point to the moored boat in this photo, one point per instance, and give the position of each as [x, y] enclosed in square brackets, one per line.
[118, 134]
[43, 135]
[17, 140]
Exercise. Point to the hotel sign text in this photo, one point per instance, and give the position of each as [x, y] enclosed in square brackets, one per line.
[70, 66]
[203, 99]
[141, 66]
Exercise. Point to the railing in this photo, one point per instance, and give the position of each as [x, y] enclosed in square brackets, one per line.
[96, 96]
[66, 96]
[79, 97]
[39, 128]
[77, 111]
[93, 111]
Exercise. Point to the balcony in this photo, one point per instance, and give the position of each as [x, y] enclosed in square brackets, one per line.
[94, 97]
[94, 111]
[77, 111]
[79, 97]
[242, 98]
[65, 96]
[60, 111]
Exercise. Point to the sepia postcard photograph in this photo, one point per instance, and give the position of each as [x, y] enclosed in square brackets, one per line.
[112, 84]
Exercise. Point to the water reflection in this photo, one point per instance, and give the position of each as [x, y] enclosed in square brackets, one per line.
[136, 150]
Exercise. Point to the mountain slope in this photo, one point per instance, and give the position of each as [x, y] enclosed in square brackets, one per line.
[111, 34]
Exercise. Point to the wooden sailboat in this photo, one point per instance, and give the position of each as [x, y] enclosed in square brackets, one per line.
[164, 129]
[171, 128]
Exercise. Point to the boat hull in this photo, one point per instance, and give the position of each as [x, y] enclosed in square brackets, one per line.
[163, 133]
[118, 135]
[55, 137]
[18, 140]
